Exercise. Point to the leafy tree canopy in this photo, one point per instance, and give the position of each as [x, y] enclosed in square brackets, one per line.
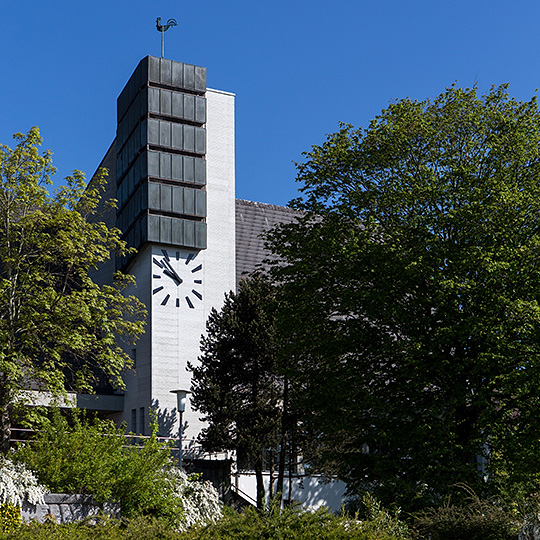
[411, 294]
[58, 328]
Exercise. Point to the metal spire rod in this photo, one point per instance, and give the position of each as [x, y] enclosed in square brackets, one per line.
[163, 28]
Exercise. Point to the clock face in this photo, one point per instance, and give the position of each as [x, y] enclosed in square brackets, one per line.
[177, 279]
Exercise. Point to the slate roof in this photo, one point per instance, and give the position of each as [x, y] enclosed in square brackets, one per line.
[252, 218]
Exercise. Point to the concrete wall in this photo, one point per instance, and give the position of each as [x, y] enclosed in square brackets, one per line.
[311, 491]
[64, 508]
[176, 331]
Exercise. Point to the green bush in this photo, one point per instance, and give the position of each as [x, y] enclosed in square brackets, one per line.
[91, 457]
[10, 517]
[381, 520]
[290, 524]
[474, 519]
[248, 525]
[141, 528]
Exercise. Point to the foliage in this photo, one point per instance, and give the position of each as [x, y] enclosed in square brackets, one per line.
[10, 517]
[17, 484]
[58, 328]
[235, 385]
[200, 499]
[474, 519]
[291, 524]
[248, 525]
[140, 528]
[92, 457]
[380, 519]
[411, 297]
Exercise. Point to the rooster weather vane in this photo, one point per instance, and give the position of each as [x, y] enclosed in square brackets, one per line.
[163, 28]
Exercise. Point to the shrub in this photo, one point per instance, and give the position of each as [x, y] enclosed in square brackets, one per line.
[249, 525]
[200, 500]
[475, 519]
[17, 483]
[10, 517]
[91, 457]
[140, 528]
[289, 524]
[382, 520]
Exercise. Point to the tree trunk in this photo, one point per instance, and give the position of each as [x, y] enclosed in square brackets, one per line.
[283, 443]
[5, 427]
[292, 464]
[5, 419]
[261, 493]
[271, 481]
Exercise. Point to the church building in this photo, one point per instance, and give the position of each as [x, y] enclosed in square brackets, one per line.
[172, 170]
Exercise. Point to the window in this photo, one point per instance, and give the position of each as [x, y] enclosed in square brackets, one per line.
[141, 420]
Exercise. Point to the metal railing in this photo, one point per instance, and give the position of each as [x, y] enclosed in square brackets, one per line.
[190, 448]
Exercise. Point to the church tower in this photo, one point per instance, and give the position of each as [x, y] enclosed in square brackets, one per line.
[172, 166]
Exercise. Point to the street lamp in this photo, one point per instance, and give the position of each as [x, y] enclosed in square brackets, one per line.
[181, 396]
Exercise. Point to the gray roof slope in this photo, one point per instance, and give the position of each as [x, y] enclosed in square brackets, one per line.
[253, 218]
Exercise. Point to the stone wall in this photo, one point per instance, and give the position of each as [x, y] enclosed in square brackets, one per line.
[67, 508]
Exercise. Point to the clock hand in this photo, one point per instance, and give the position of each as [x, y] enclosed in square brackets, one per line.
[168, 273]
[171, 272]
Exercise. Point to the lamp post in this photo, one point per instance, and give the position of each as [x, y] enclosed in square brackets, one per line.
[181, 396]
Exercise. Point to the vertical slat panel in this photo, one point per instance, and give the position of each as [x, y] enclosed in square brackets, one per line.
[200, 171]
[189, 202]
[165, 235]
[189, 169]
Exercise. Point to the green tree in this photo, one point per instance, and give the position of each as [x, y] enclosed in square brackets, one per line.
[411, 290]
[57, 327]
[236, 385]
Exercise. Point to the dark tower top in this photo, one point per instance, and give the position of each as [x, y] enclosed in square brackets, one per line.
[161, 155]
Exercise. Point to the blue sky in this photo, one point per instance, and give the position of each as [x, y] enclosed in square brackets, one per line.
[297, 68]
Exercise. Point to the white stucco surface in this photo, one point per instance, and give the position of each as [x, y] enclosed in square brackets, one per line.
[173, 332]
[310, 491]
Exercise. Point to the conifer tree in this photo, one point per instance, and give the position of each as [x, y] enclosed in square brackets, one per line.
[236, 384]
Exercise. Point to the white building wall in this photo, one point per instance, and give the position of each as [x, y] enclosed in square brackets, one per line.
[310, 491]
[138, 379]
[176, 331]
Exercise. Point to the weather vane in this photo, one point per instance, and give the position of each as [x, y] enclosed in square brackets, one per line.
[163, 28]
